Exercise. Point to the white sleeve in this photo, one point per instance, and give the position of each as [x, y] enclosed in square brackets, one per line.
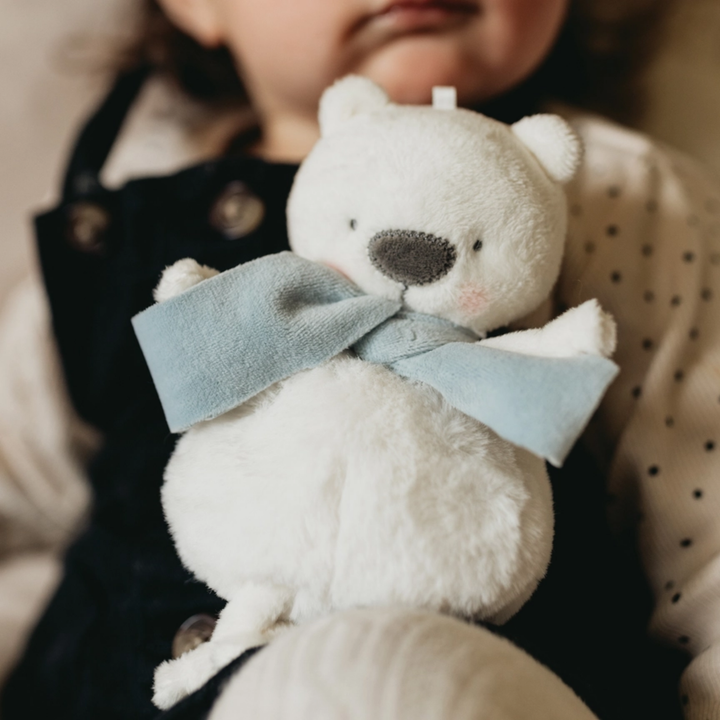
[644, 238]
[395, 664]
[43, 445]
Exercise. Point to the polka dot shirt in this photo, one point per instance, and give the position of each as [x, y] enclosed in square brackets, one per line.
[644, 239]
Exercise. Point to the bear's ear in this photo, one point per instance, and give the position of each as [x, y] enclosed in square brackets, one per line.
[553, 142]
[350, 96]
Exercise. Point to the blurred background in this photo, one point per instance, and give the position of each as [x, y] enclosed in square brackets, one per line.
[47, 88]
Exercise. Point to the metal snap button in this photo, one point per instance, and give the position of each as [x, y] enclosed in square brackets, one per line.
[86, 226]
[195, 631]
[237, 212]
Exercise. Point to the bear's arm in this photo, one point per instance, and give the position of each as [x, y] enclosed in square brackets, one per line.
[181, 276]
[584, 330]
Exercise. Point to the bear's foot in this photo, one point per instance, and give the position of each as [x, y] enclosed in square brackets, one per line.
[251, 618]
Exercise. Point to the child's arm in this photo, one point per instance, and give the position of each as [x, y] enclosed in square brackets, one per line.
[395, 663]
[644, 238]
[43, 491]
[43, 445]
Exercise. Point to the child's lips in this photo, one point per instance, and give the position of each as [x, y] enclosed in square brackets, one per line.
[418, 15]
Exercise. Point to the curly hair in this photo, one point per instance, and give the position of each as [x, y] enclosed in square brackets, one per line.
[596, 62]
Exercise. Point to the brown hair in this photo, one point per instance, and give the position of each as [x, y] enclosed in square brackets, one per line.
[596, 62]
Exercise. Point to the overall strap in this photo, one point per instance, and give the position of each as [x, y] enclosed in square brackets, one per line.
[98, 136]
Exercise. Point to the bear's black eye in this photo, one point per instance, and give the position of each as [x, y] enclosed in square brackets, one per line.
[477, 245]
[353, 224]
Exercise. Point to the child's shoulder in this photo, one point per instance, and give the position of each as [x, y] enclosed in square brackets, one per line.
[601, 133]
[628, 157]
[166, 131]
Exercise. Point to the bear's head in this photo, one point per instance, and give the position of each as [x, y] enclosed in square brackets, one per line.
[454, 213]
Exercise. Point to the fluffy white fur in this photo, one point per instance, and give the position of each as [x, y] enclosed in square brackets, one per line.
[347, 485]
[180, 277]
[350, 96]
[553, 143]
[584, 330]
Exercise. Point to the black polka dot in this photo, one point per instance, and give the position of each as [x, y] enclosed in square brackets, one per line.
[679, 376]
[683, 639]
[670, 584]
[675, 300]
[685, 542]
[615, 276]
[710, 445]
[653, 470]
[676, 597]
[669, 421]
[694, 333]
[647, 344]
[612, 230]
[576, 209]
[693, 220]
[648, 296]
[647, 250]
[651, 205]
[706, 294]
[589, 247]
[613, 191]
[688, 256]
[636, 391]
[697, 494]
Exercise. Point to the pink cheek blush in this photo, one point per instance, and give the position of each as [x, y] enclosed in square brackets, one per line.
[335, 268]
[472, 300]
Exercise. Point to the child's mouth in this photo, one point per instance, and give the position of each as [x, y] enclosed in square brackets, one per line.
[420, 15]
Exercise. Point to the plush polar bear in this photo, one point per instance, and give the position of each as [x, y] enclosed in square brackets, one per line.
[346, 484]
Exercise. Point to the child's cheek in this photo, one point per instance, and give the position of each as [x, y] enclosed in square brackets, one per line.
[472, 300]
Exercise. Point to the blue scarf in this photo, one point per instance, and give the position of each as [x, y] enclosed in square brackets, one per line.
[230, 337]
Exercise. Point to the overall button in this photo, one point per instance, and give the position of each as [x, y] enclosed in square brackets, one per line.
[193, 632]
[86, 226]
[237, 212]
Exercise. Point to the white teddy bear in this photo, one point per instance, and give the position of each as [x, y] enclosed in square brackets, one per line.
[346, 484]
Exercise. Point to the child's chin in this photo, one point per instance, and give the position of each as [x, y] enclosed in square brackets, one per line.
[410, 67]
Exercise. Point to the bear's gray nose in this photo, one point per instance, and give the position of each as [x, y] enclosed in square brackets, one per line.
[410, 257]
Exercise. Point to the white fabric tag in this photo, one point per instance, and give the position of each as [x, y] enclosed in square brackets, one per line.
[444, 98]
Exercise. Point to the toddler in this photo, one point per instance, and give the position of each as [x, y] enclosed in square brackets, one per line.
[196, 179]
